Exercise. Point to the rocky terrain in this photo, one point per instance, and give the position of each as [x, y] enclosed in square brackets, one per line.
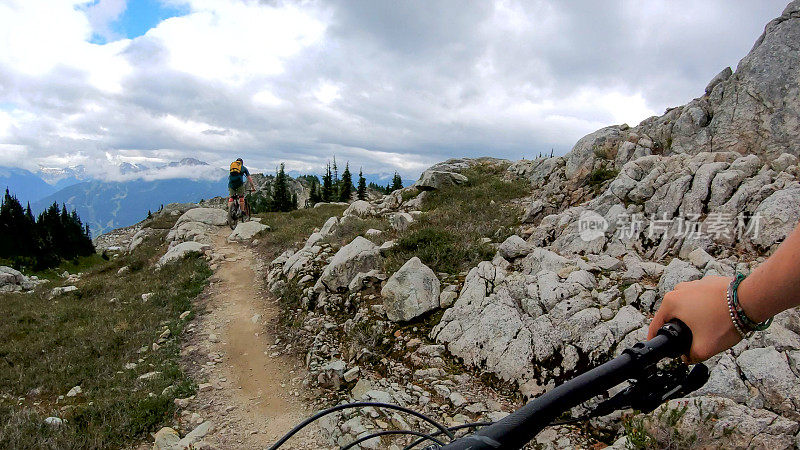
[708, 188]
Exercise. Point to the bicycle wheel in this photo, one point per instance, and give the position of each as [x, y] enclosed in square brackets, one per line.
[233, 211]
[246, 211]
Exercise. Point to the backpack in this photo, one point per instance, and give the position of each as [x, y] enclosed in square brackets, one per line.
[236, 168]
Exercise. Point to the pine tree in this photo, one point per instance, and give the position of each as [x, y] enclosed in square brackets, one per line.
[327, 185]
[397, 182]
[42, 243]
[362, 186]
[335, 173]
[377, 187]
[346, 185]
[281, 197]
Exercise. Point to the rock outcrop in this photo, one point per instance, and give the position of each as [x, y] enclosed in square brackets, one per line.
[180, 251]
[12, 280]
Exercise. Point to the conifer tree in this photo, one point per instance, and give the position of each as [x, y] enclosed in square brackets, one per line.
[39, 244]
[362, 186]
[327, 185]
[346, 185]
[281, 197]
[314, 194]
[397, 182]
[335, 174]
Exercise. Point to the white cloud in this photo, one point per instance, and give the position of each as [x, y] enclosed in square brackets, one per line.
[102, 14]
[234, 41]
[386, 85]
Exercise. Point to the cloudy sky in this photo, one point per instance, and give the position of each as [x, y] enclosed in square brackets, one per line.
[387, 85]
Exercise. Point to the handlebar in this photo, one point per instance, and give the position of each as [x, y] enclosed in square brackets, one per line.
[518, 428]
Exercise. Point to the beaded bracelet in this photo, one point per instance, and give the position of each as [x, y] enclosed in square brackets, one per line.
[734, 317]
[745, 323]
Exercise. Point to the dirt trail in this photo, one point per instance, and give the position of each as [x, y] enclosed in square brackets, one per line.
[255, 393]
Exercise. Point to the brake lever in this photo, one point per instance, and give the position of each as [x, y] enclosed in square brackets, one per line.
[655, 388]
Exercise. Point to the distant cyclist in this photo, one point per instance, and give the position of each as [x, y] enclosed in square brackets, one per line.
[236, 183]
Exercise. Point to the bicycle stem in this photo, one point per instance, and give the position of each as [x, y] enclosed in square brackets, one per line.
[518, 428]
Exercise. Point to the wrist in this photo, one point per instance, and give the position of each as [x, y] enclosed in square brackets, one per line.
[751, 302]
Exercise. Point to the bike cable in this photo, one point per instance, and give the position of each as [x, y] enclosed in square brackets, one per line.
[337, 408]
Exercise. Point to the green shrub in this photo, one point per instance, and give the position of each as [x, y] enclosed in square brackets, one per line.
[600, 176]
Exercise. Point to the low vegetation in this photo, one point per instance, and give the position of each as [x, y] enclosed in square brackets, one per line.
[449, 236]
[86, 338]
[294, 227]
[601, 175]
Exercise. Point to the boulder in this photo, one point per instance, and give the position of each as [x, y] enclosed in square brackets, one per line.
[412, 291]
[194, 436]
[209, 216]
[778, 215]
[180, 251]
[138, 238]
[677, 271]
[62, 290]
[165, 439]
[329, 227]
[580, 159]
[514, 247]
[360, 255]
[768, 370]
[359, 208]
[719, 78]
[400, 221]
[437, 179]
[246, 231]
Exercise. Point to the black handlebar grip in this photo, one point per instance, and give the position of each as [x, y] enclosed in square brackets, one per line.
[680, 337]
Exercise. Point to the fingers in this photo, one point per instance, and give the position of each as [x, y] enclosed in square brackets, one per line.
[663, 315]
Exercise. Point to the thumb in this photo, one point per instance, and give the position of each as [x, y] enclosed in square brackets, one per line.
[661, 317]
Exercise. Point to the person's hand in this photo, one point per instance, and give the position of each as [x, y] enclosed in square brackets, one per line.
[702, 305]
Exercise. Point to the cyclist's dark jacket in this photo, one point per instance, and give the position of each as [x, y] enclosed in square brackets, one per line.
[236, 181]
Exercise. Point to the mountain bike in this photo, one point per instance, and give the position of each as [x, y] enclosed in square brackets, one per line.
[649, 386]
[236, 213]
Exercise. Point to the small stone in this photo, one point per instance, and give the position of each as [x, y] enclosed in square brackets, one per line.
[149, 375]
[147, 296]
[184, 315]
[54, 422]
[74, 391]
[351, 374]
[457, 399]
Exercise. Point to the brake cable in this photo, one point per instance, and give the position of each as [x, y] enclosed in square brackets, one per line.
[650, 390]
[455, 428]
[337, 408]
[422, 437]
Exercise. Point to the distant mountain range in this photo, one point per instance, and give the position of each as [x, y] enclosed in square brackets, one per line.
[25, 185]
[105, 205]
